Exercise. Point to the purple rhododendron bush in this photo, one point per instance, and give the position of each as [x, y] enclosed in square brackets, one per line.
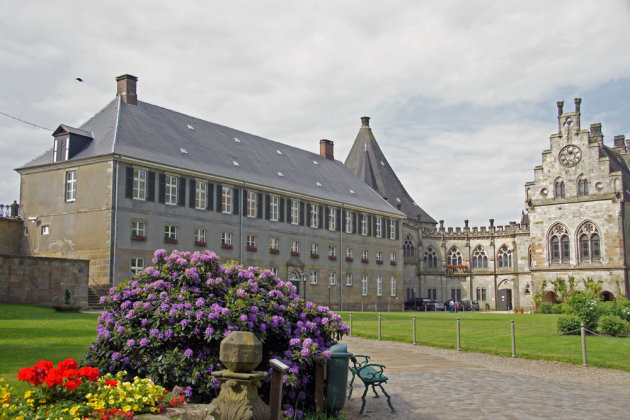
[167, 324]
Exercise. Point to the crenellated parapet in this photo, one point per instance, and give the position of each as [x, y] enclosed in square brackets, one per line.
[475, 232]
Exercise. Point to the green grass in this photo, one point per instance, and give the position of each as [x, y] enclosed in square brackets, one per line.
[536, 336]
[32, 333]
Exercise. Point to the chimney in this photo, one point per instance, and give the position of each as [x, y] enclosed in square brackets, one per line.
[365, 121]
[620, 142]
[596, 134]
[127, 88]
[560, 105]
[327, 149]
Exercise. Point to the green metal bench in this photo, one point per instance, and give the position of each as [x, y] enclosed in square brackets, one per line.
[371, 374]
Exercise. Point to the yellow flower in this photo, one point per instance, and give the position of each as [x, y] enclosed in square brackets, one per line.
[126, 408]
[28, 394]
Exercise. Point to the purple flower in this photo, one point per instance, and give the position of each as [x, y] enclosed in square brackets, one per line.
[168, 333]
[294, 342]
[184, 322]
[120, 329]
[144, 321]
[115, 355]
[241, 292]
[144, 342]
[188, 353]
[305, 352]
[307, 342]
[326, 354]
[155, 332]
[131, 343]
[243, 318]
[209, 331]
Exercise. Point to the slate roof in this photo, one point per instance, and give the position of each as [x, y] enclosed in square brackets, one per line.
[368, 161]
[159, 135]
[618, 164]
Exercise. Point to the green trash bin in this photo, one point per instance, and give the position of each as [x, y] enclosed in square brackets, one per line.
[337, 377]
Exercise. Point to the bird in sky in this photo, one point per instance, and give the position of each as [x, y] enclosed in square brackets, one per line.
[79, 79]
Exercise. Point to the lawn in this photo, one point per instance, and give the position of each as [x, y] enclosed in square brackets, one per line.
[536, 336]
[31, 333]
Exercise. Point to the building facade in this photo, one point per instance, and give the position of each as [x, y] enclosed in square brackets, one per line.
[137, 177]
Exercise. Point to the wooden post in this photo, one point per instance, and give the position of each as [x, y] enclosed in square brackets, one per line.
[379, 326]
[583, 333]
[513, 340]
[320, 370]
[351, 335]
[414, 330]
[459, 341]
[275, 394]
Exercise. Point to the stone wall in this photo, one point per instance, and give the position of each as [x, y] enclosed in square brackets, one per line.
[42, 281]
[11, 231]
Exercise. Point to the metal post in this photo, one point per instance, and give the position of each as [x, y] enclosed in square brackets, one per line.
[583, 333]
[513, 340]
[414, 330]
[459, 341]
[351, 329]
[379, 326]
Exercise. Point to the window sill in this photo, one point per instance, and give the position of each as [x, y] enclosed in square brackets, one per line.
[138, 238]
[200, 243]
[251, 249]
[226, 246]
[332, 257]
[170, 241]
[295, 254]
[274, 251]
[314, 255]
[349, 259]
[366, 261]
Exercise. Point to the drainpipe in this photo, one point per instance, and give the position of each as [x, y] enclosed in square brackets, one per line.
[112, 270]
[494, 266]
[240, 224]
[625, 248]
[341, 254]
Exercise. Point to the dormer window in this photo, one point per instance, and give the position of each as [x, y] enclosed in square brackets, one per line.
[69, 142]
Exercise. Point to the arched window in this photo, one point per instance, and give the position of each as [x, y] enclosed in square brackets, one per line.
[454, 257]
[408, 249]
[588, 239]
[504, 257]
[430, 258]
[558, 188]
[582, 186]
[479, 258]
[558, 245]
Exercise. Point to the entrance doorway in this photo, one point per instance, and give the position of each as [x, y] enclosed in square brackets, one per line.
[505, 300]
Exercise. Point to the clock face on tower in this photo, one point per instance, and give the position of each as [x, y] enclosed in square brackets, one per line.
[570, 155]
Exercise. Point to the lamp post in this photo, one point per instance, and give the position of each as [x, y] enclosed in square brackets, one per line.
[304, 281]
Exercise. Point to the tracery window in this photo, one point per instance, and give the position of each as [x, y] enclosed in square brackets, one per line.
[504, 257]
[588, 239]
[582, 186]
[480, 258]
[558, 188]
[558, 245]
[408, 248]
[430, 258]
[454, 257]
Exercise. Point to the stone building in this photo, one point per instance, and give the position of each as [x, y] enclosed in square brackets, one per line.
[576, 225]
[137, 177]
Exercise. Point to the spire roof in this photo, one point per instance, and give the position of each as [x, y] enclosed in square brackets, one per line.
[366, 159]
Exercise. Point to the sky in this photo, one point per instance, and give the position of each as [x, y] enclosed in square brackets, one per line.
[461, 94]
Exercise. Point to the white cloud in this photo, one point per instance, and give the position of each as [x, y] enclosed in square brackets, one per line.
[467, 89]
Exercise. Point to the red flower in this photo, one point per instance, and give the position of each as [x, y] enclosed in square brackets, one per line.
[181, 399]
[111, 382]
[88, 372]
[44, 364]
[72, 384]
[54, 378]
[67, 365]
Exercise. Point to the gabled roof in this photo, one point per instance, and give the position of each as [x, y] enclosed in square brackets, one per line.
[66, 129]
[161, 136]
[618, 164]
[368, 161]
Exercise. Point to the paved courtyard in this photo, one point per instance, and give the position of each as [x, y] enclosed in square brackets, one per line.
[427, 383]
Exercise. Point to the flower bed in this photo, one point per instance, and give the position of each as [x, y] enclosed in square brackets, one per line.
[68, 391]
[167, 324]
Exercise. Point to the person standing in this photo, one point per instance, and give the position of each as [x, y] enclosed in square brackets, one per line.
[451, 306]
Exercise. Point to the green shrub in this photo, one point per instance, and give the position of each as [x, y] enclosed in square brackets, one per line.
[167, 323]
[557, 309]
[608, 308]
[585, 306]
[613, 325]
[569, 324]
[545, 308]
[620, 308]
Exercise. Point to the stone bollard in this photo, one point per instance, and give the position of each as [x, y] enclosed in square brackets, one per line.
[241, 353]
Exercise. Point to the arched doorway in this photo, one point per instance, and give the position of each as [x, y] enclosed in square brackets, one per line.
[549, 297]
[606, 296]
[294, 278]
